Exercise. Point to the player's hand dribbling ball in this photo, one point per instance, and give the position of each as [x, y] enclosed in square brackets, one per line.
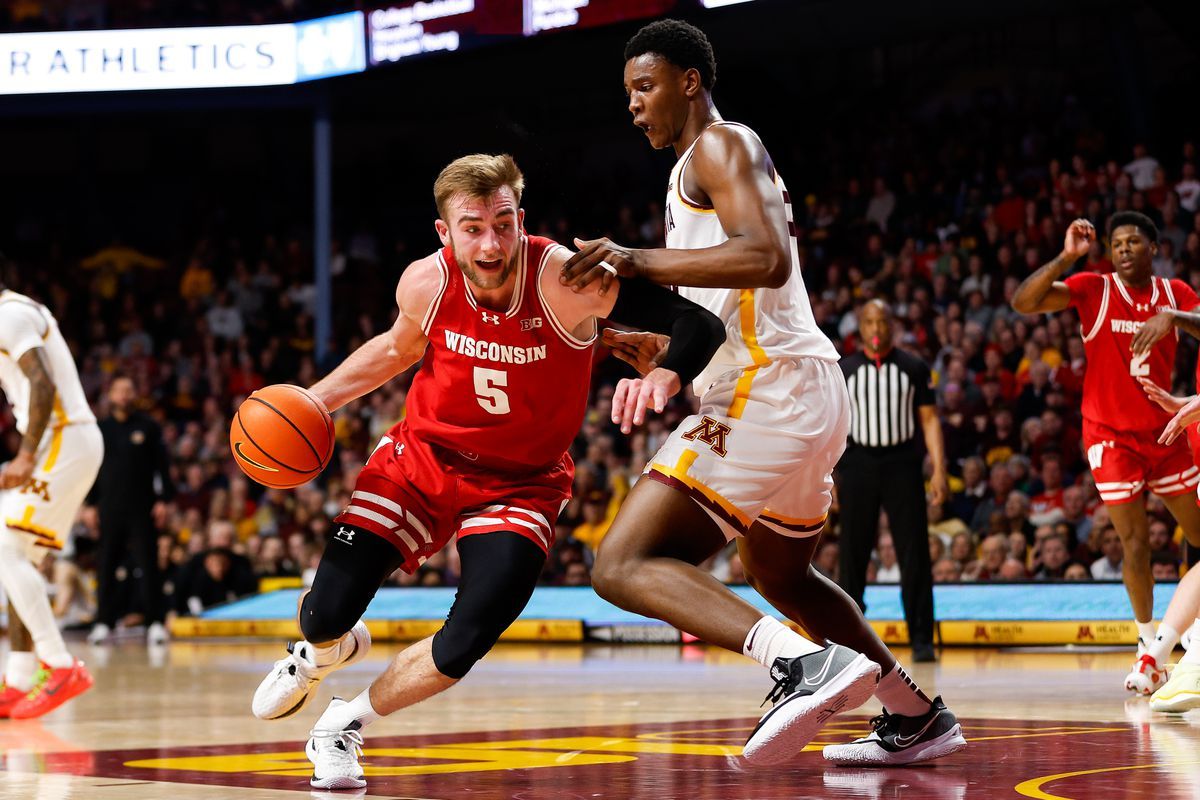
[282, 436]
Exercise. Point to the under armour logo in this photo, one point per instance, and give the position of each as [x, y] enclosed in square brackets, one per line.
[494, 319]
[399, 449]
[344, 534]
[530, 324]
[712, 433]
[1142, 306]
[40, 488]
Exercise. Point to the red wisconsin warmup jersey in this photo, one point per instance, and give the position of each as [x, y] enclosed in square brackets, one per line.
[1110, 313]
[506, 388]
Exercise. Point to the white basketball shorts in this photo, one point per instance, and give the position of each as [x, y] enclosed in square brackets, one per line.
[763, 447]
[42, 511]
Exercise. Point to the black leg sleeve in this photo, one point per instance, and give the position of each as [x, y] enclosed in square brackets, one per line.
[904, 501]
[858, 485]
[499, 573]
[349, 575]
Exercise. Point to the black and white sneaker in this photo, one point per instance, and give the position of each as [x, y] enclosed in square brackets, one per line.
[898, 739]
[809, 691]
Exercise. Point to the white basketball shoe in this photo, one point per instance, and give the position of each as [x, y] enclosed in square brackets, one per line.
[1146, 676]
[334, 754]
[290, 683]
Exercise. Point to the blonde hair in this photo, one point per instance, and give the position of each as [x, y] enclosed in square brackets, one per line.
[477, 176]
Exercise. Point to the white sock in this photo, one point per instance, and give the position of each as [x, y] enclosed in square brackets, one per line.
[27, 596]
[338, 718]
[1145, 632]
[18, 673]
[1164, 641]
[1191, 656]
[770, 639]
[900, 694]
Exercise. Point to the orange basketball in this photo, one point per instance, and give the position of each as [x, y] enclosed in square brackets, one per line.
[282, 436]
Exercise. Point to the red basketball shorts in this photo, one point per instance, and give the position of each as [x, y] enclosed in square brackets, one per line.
[418, 496]
[1126, 463]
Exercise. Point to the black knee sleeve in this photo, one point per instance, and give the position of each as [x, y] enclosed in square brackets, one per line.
[326, 619]
[347, 578]
[499, 572]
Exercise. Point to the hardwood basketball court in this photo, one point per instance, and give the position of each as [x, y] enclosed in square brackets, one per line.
[542, 722]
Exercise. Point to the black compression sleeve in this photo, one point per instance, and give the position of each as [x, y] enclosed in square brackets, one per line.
[695, 332]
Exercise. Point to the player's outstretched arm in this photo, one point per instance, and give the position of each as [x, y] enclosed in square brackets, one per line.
[1160, 325]
[36, 367]
[1188, 415]
[731, 167]
[1043, 291]
[695, 334]
[388, 354]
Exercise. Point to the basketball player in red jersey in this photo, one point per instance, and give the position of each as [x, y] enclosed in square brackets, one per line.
[755, 464]
[481, 453]
[1121, 425]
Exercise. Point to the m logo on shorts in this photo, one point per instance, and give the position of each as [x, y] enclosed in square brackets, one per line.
[712, 433]
[40, 488]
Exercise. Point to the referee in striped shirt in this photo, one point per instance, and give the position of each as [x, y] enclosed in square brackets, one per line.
[891, 393]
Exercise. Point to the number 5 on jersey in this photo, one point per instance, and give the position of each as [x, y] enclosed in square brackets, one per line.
[488, 393]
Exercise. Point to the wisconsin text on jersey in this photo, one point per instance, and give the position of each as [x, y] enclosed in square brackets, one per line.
[1131, 325]
[491, 351]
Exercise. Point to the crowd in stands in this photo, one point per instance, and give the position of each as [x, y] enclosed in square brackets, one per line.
[944, 236]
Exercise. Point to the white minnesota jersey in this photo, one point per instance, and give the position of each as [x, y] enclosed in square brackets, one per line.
[761, 325]
[25, 324]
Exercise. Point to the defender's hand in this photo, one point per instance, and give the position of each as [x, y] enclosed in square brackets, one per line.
[634, 395]
[1154, 329]
[1165, 400]
[1186, 416]
[598, 259]
[641, 350]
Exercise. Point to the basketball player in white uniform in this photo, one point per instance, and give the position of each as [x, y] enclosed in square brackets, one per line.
[756, 462]
[41, 491]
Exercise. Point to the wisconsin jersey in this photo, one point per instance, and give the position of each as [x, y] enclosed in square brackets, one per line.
[1110, 314]
[25, 324]
[761, 325]
[506, 388]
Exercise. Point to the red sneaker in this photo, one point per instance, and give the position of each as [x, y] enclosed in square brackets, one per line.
[9, 697]
[53, 688]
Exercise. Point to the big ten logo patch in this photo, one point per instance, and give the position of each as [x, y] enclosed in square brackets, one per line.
[531, 323]
[39, 488]
[711, 433]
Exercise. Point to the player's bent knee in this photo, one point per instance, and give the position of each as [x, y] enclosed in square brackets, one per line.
[327, 619]
[459, 645]
[607, 578]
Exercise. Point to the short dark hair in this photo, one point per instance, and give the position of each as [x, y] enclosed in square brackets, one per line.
[682, 44]
[1138, 220]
